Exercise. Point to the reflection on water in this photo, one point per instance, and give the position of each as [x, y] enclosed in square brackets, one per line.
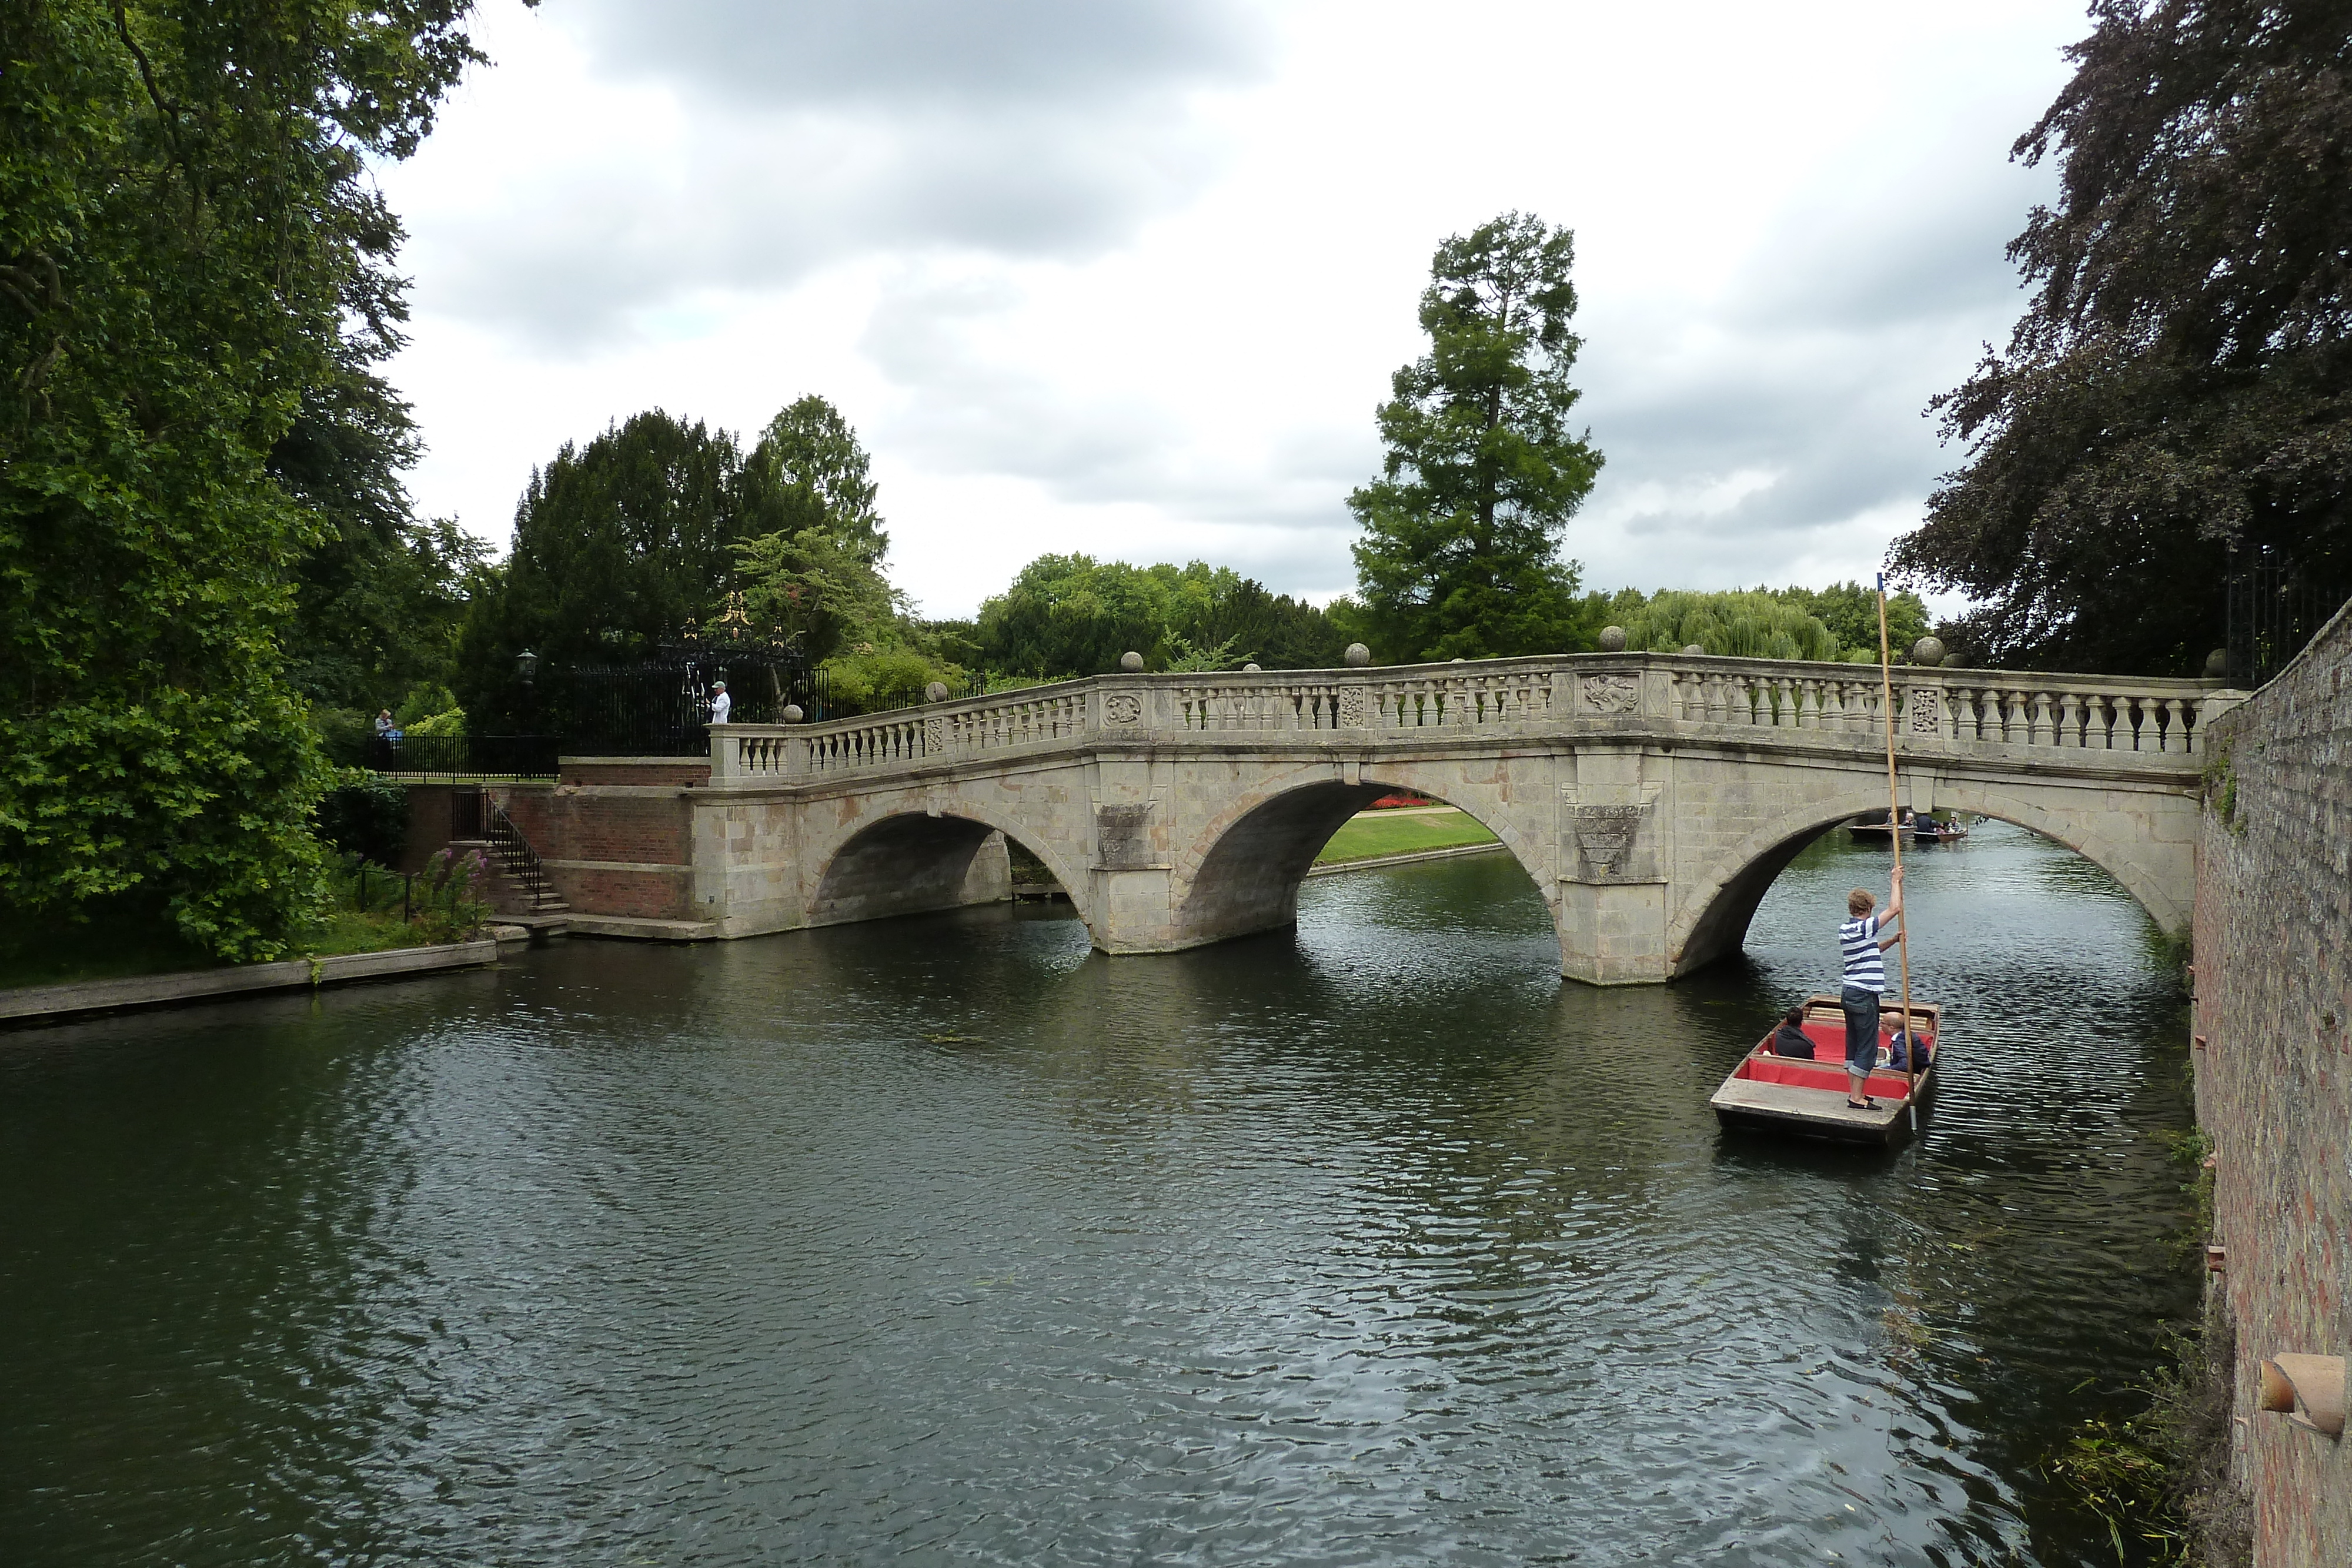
[945, 1239]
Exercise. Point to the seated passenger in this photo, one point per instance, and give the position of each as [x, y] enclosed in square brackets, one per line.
[1790, 1040]
[1899, 1047]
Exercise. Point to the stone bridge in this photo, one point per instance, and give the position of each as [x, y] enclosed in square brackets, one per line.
[1651, 798]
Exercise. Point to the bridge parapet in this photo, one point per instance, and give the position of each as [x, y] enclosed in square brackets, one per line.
[1967, 709]
[1947, 711]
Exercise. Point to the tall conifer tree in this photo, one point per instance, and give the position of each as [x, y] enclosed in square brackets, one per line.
[1460, 554]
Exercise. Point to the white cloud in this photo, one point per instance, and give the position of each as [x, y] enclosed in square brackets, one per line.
[1131, 279]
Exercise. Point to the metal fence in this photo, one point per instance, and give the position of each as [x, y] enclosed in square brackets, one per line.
[661, 709]
[2277, 603]
[501, 756]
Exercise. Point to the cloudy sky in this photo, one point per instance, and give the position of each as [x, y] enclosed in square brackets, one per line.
[1129, 276]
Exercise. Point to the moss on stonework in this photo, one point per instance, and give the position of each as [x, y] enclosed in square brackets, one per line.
[2220, 790]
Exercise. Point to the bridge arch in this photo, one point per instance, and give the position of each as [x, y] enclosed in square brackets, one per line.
[1242, 872]
[919, 860]
[1713, 920]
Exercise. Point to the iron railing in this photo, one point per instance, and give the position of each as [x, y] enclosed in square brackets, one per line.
[516, 856]
[474, 815]
[499, 756]
[2277, 603]
[661, 709]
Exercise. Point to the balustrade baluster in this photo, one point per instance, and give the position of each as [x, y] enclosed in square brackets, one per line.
[2176, 733]
[2070, 731]
[1784, 702]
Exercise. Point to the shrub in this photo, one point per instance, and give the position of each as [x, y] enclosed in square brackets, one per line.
[364, 814]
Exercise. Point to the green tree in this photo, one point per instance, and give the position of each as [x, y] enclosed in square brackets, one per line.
[2181, 380]
[191, 245]
[809, 471]
[619, 544]
[807, 591]
[378, 596]
[1073, 615]
[1741, 625]
[1460, 554]
[1850, 612]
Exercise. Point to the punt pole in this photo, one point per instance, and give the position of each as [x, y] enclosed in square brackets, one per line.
[1894, 836]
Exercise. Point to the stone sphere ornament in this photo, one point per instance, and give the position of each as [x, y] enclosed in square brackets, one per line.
[936, 692]
[1132, 662]
[1612, 639]
[1695, 648]
[792, 713]
[2217, 665]
[1253, 670]
[1928, 651]
[1358, 655]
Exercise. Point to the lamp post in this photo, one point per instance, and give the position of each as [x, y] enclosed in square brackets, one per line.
[526, 666]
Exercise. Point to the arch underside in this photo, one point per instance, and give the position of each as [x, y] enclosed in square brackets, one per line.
[1716, 926]
[912, 864]
[1249, 879]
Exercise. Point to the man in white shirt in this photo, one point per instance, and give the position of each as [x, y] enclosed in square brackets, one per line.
[721, 705]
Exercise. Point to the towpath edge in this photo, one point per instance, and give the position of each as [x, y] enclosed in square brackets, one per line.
[45, 1004]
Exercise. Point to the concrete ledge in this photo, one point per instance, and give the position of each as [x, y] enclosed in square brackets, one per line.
[40, 1004]
[640, 929]
[1378, 861]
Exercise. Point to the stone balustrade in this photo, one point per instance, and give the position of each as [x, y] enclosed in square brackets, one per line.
[1937, 711]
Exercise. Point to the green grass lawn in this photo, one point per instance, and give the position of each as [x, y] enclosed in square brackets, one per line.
[1374, 833]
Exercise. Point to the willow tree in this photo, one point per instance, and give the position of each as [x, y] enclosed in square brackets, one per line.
[2181, 380]
[192, 245]
[1462, 531]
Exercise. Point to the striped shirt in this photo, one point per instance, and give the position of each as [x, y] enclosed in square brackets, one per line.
[1865, 964]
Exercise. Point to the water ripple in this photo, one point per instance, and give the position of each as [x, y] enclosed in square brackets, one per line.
[945, 1240]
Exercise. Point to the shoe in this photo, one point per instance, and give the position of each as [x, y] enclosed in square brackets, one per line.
[1863, 1105]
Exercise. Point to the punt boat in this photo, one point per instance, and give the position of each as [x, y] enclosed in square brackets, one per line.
[1873, 826]
[1804, 1099]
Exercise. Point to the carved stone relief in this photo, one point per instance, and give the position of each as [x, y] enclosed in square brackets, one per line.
[1123, 837]
[1926, 710]
[1612, 694]
[1610, 828]
[1352, 708]
[1122, 707]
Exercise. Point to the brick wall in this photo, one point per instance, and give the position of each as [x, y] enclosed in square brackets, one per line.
[675, 772]
[624, 851]
[429, 825]
[2273, 957]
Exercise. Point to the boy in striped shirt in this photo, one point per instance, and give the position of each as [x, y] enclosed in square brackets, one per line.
[1860, 939]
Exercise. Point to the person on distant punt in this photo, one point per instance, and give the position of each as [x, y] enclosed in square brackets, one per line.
[1865, 950]
[1790, 1038]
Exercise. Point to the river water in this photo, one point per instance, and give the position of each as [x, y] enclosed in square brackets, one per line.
[946, 1240]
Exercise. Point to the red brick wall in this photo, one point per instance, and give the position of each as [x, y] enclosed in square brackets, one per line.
[677, 773]
[429, 825]
[2274, 957]
[650, 832]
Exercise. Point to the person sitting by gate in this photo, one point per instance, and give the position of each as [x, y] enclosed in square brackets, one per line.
[1790, 1038]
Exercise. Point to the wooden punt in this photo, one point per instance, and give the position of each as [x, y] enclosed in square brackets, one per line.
[1798, 1098]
